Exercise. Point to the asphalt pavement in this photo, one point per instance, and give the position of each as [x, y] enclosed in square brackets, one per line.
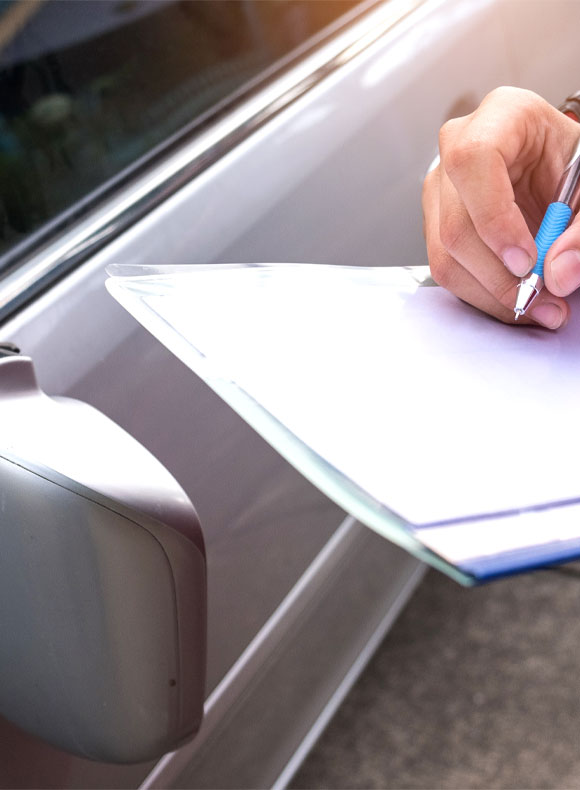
[472, 688]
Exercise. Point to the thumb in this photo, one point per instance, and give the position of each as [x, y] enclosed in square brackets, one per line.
[562, 264]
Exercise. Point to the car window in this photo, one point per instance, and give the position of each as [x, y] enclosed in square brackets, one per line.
[90, 87]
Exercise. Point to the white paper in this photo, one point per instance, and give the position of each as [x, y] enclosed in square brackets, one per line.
[431, 408]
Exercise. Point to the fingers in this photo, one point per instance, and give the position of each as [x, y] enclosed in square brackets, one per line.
[461, 262]
[465, 245]
[476, 154]
[562, 264]
[479, 174]
[498, 148]
[498, 170]
[446, 271]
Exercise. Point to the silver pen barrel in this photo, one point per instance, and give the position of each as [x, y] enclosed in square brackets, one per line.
[568, 190]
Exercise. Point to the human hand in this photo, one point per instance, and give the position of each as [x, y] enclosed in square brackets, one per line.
[483, 204]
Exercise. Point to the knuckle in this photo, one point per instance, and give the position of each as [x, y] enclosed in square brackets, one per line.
[486, 222]
[453, 229]
[428, 184]
[490, 222]
[447, 134]
[504, 291]
[429, 192]
[441, 266]
[514, 102]
[460, 155]
[501, 94]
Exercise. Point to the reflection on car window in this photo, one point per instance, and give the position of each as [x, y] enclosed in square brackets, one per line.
[88, 87]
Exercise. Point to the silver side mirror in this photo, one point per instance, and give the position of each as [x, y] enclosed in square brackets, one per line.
[102, 582]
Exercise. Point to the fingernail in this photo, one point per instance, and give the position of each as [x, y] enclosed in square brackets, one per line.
[517, 261]
[548, 314]
[566, 272]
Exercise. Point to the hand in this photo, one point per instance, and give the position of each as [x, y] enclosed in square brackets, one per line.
[483, 204]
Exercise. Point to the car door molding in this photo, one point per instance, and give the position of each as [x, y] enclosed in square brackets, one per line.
[58, 247]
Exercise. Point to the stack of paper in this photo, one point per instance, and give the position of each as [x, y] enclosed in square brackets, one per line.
[447, 432]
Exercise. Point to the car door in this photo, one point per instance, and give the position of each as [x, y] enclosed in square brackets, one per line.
[172, 132]
[110, 112]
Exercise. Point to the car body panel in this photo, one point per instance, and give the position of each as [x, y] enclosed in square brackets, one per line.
[333, 178]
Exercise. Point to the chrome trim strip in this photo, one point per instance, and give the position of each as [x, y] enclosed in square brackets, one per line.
[36, 271]
[250, 664]
[351, 677]
[306, 589]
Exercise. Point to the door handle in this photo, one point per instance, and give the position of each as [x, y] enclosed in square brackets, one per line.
[102, 581]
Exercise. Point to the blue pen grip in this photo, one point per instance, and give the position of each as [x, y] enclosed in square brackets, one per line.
[555, 222]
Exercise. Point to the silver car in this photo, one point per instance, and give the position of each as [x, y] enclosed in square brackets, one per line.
[179, 607]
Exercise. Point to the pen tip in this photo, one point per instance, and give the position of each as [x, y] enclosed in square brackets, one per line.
[517, 315]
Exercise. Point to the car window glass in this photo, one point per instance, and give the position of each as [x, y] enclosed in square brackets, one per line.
[90, 87]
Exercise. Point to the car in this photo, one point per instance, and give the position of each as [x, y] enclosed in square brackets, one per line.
[168, 132]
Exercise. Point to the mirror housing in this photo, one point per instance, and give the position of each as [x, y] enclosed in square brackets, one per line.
[102, 582]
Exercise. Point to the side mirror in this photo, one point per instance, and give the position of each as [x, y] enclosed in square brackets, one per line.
[102, 582]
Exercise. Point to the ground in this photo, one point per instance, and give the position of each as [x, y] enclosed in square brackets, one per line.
[472, 688]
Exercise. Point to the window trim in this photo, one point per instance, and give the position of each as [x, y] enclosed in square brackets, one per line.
[71, 238]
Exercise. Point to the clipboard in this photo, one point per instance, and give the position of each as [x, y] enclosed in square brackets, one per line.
[394, 398]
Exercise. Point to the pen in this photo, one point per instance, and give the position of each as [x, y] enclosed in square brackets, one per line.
[555, 222]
